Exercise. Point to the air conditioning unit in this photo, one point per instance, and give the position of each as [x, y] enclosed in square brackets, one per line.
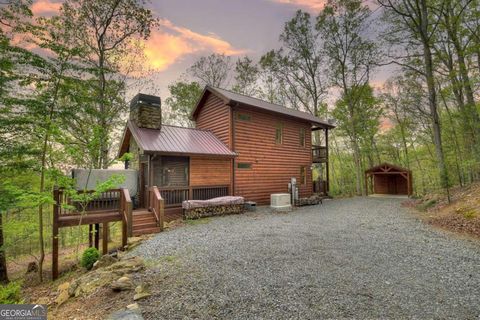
[280, 201]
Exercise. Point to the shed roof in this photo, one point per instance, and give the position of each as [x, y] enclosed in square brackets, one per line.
[176, 140]
[231, 97]
[386, 167]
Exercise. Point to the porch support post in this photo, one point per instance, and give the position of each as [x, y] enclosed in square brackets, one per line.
[105, 238]
[90, 235]
[366, 184]
[97, 235]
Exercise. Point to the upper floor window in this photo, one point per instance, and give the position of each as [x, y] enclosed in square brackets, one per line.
[244, 117]
[244, 165]
[302, 137]
[279, 133]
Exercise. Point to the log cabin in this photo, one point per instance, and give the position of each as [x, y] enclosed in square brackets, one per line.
[240, 145]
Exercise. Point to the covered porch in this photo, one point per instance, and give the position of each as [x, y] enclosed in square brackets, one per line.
[321, 182]
[182, 177]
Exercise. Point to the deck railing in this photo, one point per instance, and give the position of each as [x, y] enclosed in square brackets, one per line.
[105, 201]
[319, 153]
[174, 196]
[157, 205]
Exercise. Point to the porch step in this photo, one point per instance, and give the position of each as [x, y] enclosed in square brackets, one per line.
[146, 231]
[144, 222]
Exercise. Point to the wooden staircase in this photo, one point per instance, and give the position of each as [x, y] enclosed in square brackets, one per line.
[144, 222]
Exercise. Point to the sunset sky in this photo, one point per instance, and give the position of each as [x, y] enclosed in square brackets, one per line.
[193, 28]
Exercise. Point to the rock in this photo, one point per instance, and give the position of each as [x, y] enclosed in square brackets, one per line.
[72, 288]
[141, 288]
[104, 261]
[106, 277]
[122, 284]
[125, 315]
[43, 300]
[133, 240]
[133, 306]
[32, 267]
[139, 296]
[62, 297]
[64, 286]
[129, 265]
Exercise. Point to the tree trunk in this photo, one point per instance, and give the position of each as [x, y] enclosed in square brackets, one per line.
[432, 99]
[3, 260]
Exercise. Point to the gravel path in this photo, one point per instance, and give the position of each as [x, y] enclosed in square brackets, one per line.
[354, 258]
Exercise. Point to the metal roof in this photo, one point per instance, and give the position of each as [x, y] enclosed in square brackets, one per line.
[230, 97]
[178, 140]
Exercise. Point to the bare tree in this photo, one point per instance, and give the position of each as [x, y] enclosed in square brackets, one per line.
[212, 70]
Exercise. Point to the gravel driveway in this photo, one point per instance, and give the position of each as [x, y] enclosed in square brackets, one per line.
[354, 258]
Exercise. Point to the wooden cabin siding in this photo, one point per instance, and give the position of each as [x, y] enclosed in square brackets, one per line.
[214, 115]
[209, 171]
[272, 165]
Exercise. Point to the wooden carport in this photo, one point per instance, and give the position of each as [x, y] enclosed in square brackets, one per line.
[387, 178]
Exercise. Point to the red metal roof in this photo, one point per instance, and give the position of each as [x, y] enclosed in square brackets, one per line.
[175, 140]
[229, 97]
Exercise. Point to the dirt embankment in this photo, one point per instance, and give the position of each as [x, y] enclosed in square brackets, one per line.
[462, 215]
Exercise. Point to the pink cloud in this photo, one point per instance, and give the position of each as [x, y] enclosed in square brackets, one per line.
[171, 43]
[312, 5]
[45, 8]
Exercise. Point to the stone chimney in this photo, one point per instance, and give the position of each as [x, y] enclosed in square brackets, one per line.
[146, 111]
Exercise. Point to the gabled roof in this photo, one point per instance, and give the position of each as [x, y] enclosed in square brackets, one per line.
[386, 167]
[175, 140]
[231, 98]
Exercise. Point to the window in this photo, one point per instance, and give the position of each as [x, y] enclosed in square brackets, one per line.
[302, 137]
[303, 175]
[244, 117]
[279, 133]
[244, 165]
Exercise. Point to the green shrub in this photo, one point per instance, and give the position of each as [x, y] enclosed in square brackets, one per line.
[10, 293]
[89, 257]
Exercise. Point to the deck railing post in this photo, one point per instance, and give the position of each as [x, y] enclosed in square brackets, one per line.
[130, 218]
[161, 212]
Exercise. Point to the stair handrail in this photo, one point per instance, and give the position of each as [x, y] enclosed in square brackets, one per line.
[157, 205]
[126, 210]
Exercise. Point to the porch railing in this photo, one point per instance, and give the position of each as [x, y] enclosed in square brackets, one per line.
[157, 204]
[174, 196]
[126, 210]
[319, 153]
